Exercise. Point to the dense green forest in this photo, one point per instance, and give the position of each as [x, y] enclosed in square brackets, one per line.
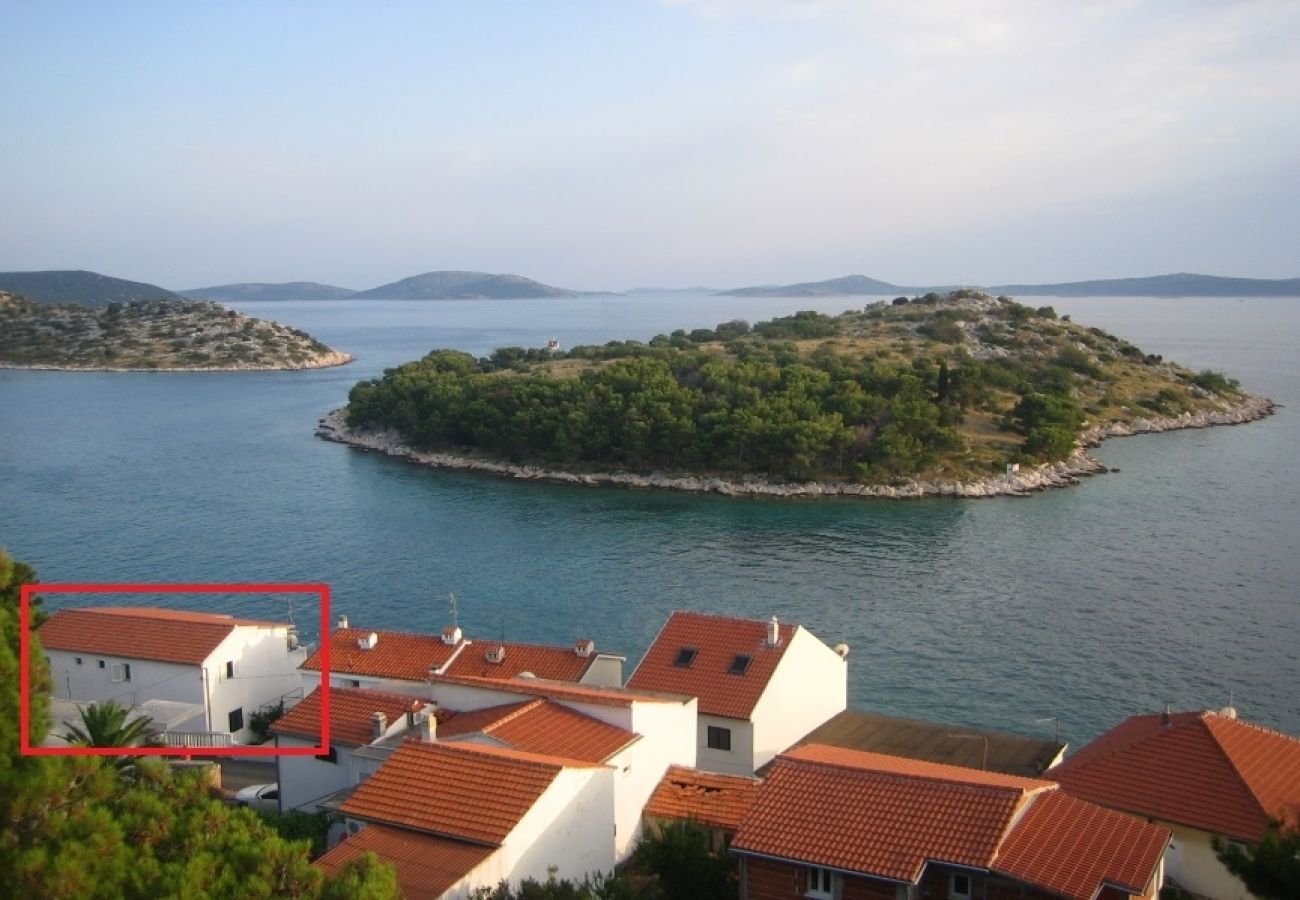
[953, 385]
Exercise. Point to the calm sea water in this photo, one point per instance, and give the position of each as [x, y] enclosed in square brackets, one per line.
[1176, 581]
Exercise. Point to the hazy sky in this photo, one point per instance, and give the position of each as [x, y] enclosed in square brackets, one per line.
[615, 144]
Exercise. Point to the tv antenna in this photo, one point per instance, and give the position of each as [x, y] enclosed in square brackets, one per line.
[455, 610]
[1056, 724]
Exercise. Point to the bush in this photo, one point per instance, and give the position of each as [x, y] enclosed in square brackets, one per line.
[1214, 382]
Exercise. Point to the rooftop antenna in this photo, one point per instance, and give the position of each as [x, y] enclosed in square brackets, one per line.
[455, 610]
[1056, 723]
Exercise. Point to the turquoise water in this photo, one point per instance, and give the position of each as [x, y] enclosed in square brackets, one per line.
[1172, 582]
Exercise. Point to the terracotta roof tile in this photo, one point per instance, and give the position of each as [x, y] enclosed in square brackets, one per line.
[458, 790]
[397, 654]
[720, 801]
[717, 642]
[1074, 848]
[560, 690]
[427, 866]
[555, 663]
[541, 726]
[351, 710]
[142, 632]
[1205, 770]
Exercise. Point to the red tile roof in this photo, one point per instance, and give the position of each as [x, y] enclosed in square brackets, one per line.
[561, 690]
[1205, 770]
[397, 654]
[1073, 848]
[555, 663]
[541, 726]
[351, 711]
[719, 801]
[887, 817]
[717, 642]
[427, 866]
[142, 632]
[458, 790]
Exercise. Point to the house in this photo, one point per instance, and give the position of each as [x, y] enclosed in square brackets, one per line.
[1198, 774]
[451, 817]
[834, 823]
[716, 801]
[228, 668]
[761, 685]
[954, 745]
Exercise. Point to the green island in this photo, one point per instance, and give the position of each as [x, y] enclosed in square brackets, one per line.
[944, 393]
[151, 335]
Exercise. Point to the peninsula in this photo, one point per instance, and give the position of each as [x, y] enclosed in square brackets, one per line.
[959, 394]
[151, 335]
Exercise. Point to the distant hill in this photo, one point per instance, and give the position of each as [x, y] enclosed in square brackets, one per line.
[1183, 284]
[80, 286]
[848, 286]
[289, 290]
[463, 286]
[661, 290]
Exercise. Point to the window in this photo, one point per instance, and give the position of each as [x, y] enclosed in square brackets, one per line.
[959, 887]
[236, 720]
[739, 665]
[331, 757]
[120, 672]
[719, 738]
[101, 664]
[78, 660]
[230, 668]
[354, 683]
[821, 883]
[685, 657]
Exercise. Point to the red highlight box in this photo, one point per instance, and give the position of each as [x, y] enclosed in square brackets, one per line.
[322, 591]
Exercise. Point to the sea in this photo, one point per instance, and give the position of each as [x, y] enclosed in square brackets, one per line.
[1174, 580]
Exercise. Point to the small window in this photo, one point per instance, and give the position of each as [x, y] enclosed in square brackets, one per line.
[354, 683]
[102, 664]
[959, 887]
[719, 738]
[78, 660]
[821, 884]
[230, 668]
[236, 720]
[740, 665]
[120, 672]
[331, 757]
[685, 657]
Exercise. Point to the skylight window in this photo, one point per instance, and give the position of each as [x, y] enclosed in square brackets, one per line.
[685, 657]
[740, 665]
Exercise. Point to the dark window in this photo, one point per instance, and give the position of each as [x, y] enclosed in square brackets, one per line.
[126, 671]
[685, 657]
[236, 720]
[739, 665]
[101, 664]
[78, 660]
[331, 757]
[230, 669]
[719, 738]
[960, 886]
[354, 683]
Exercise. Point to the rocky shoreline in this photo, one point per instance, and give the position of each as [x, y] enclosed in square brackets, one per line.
[1011, 484]
[323, 361]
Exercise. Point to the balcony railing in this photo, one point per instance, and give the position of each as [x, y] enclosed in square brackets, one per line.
[197, 739]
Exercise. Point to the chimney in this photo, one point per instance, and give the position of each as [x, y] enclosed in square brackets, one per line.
[378, 725]
[773, 633]
[495, 654]
[368, 642]
[427, 723]
[451, 635]
[1165, 717]
[343, 621]
[585, 647]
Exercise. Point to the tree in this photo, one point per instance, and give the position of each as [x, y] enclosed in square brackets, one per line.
[679, 854]
[1270, 868]
[105, 725]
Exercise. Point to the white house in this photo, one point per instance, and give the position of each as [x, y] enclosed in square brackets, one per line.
[761, 685]
[228, 667]
[452, 817]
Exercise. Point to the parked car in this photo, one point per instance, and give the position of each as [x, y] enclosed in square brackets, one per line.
[265, 797]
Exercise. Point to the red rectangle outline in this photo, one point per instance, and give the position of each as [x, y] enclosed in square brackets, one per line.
[26, 591]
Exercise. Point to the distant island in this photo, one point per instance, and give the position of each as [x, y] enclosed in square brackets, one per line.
[463, 286]
[259, 291]
[958, 394]
[79, 286]
[1179, 285]
[151, 335]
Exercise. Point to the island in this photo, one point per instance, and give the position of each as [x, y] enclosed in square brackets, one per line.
[455, 285]
[150, 335]
[958, 394]
[1181, 284]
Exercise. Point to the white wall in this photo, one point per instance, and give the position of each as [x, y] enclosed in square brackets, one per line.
[1190, 861]
[149, 680]
[306, 779]
[570, 827]
[737, 761]
[605, 670]
[809, 686]
[265, 670]
[667, 733]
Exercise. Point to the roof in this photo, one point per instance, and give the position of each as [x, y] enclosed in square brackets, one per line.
[542, 726]
[556, 663]
[458, 790]
[351, 712]
[397, 654]
[888, 817]
[1073, 848]
[562, 690]
[1205, 770]
[717, 641]
[719, 801]
[426, 865]
[1011, 754]
[143, 632]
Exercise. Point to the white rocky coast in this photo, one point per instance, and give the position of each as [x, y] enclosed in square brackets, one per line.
[333, 427]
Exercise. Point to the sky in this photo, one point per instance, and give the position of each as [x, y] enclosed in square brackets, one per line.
[623, 143]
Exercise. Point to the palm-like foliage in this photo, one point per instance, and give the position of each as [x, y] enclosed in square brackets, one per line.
[105, 725]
